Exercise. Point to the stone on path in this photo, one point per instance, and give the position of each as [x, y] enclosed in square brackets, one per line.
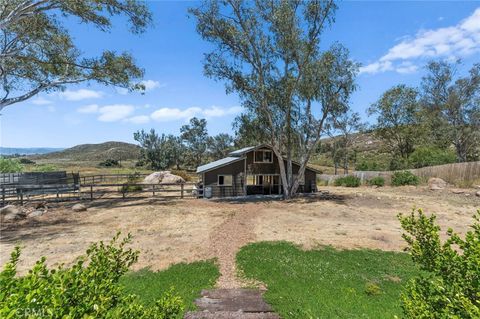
[79, 208]
[235, 303]
[436, 183]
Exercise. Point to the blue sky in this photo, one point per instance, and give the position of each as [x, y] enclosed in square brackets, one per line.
[392, 40]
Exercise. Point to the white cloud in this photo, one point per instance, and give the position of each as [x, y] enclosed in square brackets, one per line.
[139, 119]
[452, 42]
[91, 108]
[151, 84]
[115, 112]
[41, 101]
[166, 114]
[81, 94]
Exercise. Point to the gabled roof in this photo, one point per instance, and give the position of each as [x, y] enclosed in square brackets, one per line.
[216, 164]
[245, 150]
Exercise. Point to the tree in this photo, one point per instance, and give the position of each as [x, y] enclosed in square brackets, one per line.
[452, 107]
[177, 150]
[449, 284]
[195, 137]
[268, 53]
[397, 120]
[156, 150]
[248, 130]
[220, 145]
[37, 53]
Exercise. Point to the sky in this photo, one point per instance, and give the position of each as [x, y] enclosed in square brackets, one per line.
[392, 40]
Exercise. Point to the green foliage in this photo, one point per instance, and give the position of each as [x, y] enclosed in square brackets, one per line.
[430, 156]
[159, 151]
[110, 163]
[450, 284]
[10, 165]
[88, 289]
[195, 137]
[377, 181]
[188, 280]
[219, 146]
[38, 53]
[347, 181]
[404, 178]
[44, 168]
[327, 283]
[131, 185]
[366, 165]
[26, 161]
[372, 289]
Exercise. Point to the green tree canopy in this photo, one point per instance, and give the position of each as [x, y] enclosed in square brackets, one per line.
[195, 137]
[37, 53]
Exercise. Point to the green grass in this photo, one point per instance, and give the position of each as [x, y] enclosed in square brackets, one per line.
[327, 283]
[186, 279]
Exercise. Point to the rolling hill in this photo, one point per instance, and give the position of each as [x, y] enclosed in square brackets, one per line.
[28, 150]
[94, 152]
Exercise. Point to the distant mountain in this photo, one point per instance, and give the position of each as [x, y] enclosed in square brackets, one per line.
[27, 150]
[95, 152]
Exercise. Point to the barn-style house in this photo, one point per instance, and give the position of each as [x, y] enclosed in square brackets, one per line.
[250, 171]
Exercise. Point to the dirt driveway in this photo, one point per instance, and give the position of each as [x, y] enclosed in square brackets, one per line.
[168, 232]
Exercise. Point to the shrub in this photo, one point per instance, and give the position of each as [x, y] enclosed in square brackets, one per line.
[9, 165]
[182, 174]
[429, 156]
[26, 161]
[45, 168]
[89, 289]
[347, 181]
[404, 178]
[366, 165]
[110, 163]
[131, 186]
[377, 181]
[372, 289]
[449, 286]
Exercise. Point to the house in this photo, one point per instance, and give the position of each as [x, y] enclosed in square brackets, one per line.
[250, 171]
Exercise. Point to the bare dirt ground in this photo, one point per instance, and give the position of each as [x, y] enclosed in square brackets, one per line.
[173, 231]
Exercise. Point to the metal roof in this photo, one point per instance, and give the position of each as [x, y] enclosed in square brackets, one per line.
[220, 162]
[244, 150]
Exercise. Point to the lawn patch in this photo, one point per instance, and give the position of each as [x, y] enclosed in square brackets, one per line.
[328, 283]
[186, 279]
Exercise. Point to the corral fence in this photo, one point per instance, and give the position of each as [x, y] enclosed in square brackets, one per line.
[456, 173]
[62, 186]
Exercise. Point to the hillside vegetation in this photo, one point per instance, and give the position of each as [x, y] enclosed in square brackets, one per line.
[95, 152]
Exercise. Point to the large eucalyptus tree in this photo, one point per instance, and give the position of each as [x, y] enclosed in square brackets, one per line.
[269, 53]
[37, 52]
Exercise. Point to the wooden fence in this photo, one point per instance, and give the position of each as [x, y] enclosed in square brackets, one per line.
[456, 173]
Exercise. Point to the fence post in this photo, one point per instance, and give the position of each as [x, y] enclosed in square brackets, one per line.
[153, 188]
[91, 192]
[181, 194]
[3, 195]
[21, 197]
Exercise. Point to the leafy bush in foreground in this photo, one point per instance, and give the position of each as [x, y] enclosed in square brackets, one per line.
[10, 165]
[450, 286]
[89, 289]
[347, 181]
[430, 156]
[377, 181]
[404, 178]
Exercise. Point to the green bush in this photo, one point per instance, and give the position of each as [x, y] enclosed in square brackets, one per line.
[430, 156]
[366, 165]
[347, 181]
[404, 178]
[26, 161]
[89, 289]
[131, 185]
[450, 284]
[377, 181]
[10, 165]
[45, 168]
[110, 163]
[372, 289]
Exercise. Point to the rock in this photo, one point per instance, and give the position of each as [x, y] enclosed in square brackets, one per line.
[458, 191]
[163, 177]
[9, 209]
[477, 194]
[37, 213]
[435, 183]
[14, 215]
[79, 208]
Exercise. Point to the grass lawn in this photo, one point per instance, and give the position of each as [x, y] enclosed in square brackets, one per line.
[328, 283]
[186, 279]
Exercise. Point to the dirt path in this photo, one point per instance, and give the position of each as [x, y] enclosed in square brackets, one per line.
[227, 238]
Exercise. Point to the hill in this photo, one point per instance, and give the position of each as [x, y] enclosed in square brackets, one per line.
[27, 150]
[95, 152]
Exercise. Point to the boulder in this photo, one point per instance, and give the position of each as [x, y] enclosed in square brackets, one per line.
[163, 177]
[458, 191]
[477, 194]
[436, 183]
[37, 213]
[9, 209]
[79, 208]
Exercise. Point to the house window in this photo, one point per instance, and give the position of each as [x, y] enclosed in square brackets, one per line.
[263, 156]
[225, 180]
